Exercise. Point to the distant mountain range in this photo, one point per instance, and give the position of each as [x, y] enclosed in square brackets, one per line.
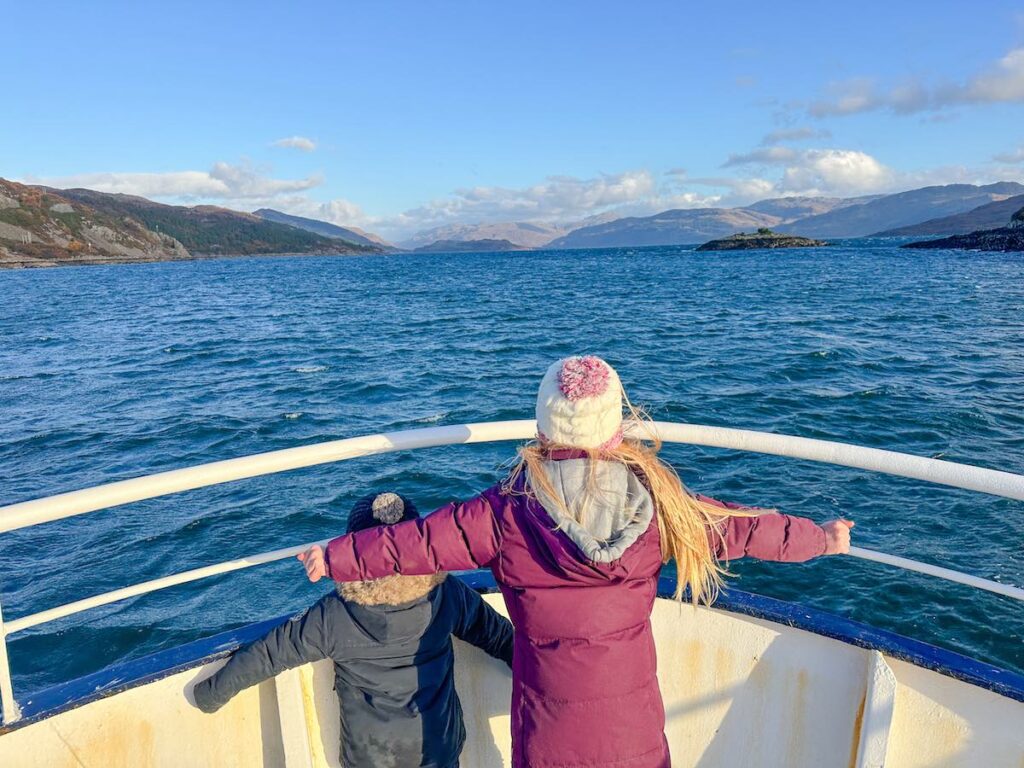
[901, 209]
[43, 226]
[348, 234]
[818, 217]
[40, 226]
[521, 233]
[676, 227]
[989, 216]
[470, 246]
[524, 233]
[794, 208]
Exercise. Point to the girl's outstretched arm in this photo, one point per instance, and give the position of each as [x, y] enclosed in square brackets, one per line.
[456, 537]
[772, 536]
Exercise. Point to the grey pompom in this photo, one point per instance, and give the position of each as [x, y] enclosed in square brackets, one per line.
[388, 508]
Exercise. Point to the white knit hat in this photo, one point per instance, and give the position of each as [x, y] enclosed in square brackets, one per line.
[579, 404]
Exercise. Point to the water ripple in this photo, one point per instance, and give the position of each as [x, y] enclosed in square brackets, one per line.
[110, 373]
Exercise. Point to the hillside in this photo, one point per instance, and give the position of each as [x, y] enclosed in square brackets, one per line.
[1008, 238]
[43, 228]
[322, 228]
[819, 217]
[208, 230]
[675, 227]
[901, 209]
[794, 208]
[523, 233]
[989, 216]
[469, 246]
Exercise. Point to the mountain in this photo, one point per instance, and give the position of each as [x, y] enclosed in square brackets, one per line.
[524, 233]
[209, 230]
[43, 228]
[372, 237]
[470, 246]
[1006, 238]
[348, 234]
[793, 208]
[675, 227]
[990, 216]
[901, 209]
[820, 217]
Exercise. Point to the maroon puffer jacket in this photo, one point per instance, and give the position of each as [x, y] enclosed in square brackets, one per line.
[584, 675]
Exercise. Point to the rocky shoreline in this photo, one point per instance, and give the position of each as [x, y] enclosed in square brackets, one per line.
[1006, 239]
[762, 238]
[44, 227]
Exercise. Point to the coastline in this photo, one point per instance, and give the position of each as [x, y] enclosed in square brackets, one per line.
[28, 263]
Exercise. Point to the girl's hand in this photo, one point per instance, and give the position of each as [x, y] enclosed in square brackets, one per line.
[316, 567]
[837, 536]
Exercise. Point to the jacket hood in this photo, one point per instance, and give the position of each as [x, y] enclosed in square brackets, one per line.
[610, 508]
[388, 623]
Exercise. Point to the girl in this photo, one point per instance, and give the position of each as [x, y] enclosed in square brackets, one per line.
[576, 537]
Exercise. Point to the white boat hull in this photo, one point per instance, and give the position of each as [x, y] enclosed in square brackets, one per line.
[738, 690]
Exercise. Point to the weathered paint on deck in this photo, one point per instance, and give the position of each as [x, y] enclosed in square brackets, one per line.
[738, 691]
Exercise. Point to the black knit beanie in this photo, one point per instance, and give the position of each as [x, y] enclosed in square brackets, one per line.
[380, 509]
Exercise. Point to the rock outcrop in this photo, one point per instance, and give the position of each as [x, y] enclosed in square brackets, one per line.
[41, 228]
[763, 238]
[1006, 239]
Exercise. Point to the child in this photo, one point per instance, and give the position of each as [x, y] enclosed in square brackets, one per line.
[390, 640]
[576, 536]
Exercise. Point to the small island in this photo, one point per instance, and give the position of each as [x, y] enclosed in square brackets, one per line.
[763, 238]
[1005, 239]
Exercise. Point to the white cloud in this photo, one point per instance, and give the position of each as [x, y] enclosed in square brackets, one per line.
[557, 198]
[223, 182]
[762, 156]
[764, 172]
[241, 187]
[835, 172]
[339, 211]
[832, 172]
[841, 173]
[794, 134]
[296, 142]
[739, 191]
[1013, 157]
[1003, 82]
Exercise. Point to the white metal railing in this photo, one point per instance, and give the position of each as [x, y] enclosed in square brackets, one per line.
[64, 505]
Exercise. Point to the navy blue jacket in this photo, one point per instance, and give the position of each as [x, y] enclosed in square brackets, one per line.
[393, 666]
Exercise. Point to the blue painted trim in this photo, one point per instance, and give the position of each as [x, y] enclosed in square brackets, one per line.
[949, 663]
[131, 674]
[121, 677]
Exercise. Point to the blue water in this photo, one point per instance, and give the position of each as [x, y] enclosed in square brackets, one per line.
[108, 373]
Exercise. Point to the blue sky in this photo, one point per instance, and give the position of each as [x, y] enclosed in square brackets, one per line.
[408, 115]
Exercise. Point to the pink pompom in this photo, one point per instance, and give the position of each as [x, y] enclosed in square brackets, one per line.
[582, 377]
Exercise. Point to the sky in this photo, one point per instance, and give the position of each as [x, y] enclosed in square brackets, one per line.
[402, 116]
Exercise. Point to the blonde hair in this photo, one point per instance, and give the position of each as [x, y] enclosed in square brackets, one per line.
[686, 523]
[389, 590]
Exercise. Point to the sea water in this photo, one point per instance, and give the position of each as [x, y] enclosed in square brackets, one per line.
[109, 373]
